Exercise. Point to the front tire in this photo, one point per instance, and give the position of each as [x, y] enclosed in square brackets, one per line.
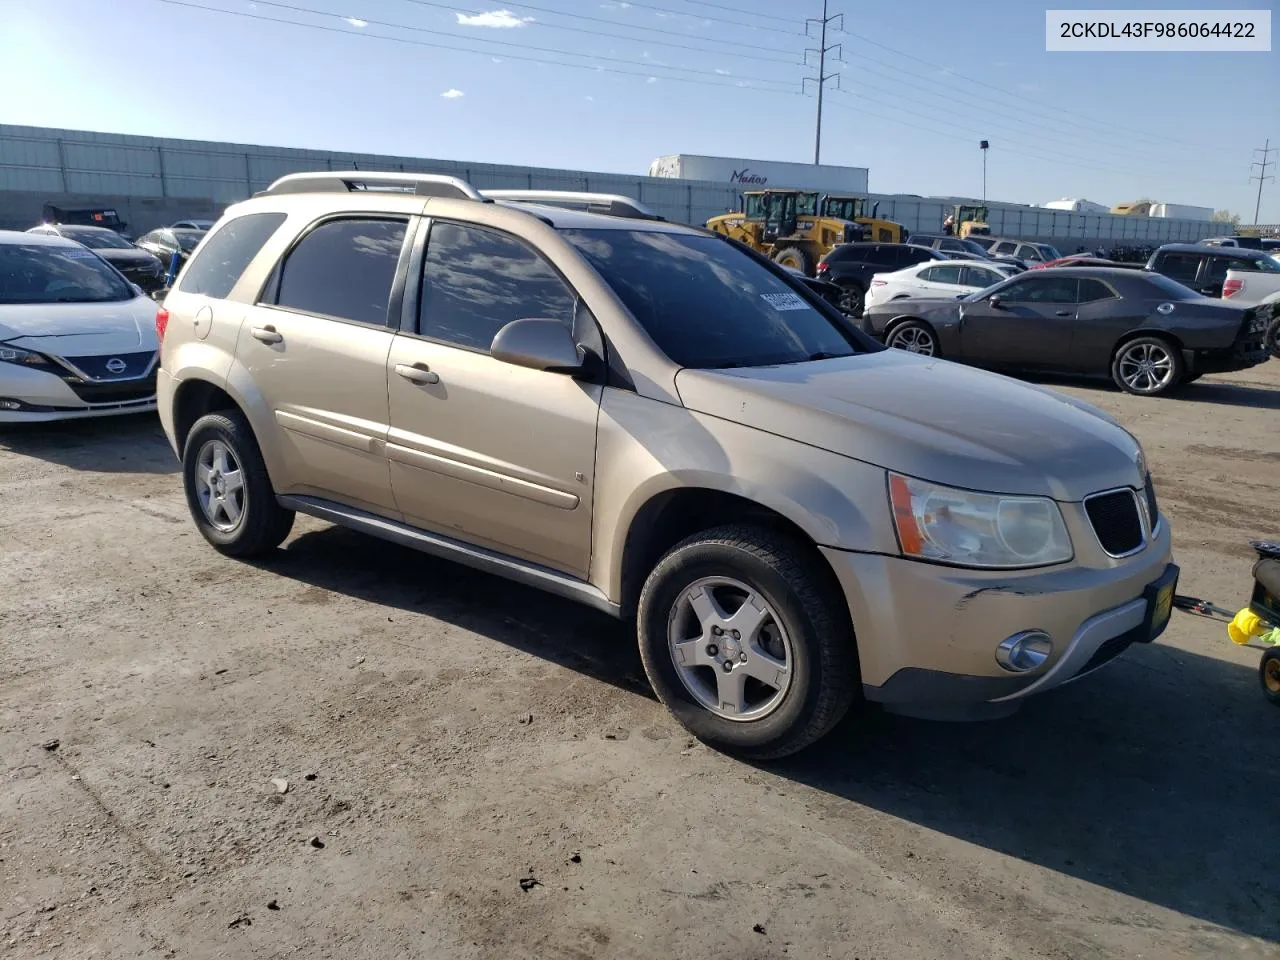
[746, 641]
[914, 336]
[1269, 675]
[1273, 334]
[853, 299]
[228, 491]
[1147, 366]
[797, 258]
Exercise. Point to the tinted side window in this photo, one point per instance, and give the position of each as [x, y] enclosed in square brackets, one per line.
[942, 274]
[980, 277]
[910, 255]
[1004, 246]
[476, 281]
[1091, 290]
[887, 256]
[229, 251]
[1041, 290]
[344, 269]
[1179, 266]
[1027, 252]
[1218, 267]
[948, 243]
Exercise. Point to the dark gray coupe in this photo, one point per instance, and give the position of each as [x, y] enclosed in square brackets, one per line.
[1145, 331]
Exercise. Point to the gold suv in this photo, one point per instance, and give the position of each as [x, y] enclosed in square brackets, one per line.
[658, 422]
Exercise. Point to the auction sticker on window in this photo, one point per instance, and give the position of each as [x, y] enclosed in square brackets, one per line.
[784, 301]
[1093, 31]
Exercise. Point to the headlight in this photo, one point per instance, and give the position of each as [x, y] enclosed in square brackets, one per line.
[24, 357]
[969, 529]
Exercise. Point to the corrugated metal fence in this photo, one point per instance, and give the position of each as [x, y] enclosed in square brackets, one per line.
[205, 176]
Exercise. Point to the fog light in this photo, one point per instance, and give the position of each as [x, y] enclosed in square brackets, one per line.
[7, 404]
[1024, 651]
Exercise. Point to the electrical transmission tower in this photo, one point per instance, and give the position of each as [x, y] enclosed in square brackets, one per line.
[822, 77]
[1261, 175]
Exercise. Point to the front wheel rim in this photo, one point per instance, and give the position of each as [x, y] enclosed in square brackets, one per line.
[1146, 367]
[913, 340]
[730, 649]
[219, 483]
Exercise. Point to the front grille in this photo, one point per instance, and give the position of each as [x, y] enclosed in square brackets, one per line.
[135, 365]
[1116, 521]
[1153, 509]
[115, 391]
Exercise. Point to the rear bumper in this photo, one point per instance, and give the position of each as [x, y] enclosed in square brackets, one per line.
[927, 635]
[1241, 356]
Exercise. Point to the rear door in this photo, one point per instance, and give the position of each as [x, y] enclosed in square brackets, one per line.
[316, 346]
[1031, 326]
[484, 451]
[940, 280]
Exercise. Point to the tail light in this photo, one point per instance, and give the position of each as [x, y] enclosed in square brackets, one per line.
[162, 323]
[1231, 288]
[823, 267]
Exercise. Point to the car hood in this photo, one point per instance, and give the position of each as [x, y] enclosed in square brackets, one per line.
[80, 329]
[121, 256]
[930, 419]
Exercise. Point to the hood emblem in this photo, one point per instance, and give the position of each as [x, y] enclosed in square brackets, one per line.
[116, 365]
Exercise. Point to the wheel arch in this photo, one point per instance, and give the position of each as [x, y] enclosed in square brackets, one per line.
[1156, 332]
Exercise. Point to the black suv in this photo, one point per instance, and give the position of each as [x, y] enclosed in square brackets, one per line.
[1201, 267]
[850, 266]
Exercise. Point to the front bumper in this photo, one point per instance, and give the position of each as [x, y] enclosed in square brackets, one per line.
[38, 396]
[927, 634]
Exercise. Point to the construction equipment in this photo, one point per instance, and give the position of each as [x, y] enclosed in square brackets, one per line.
[785, 225]
[968, 220]
[1136, 208]
[854, 209]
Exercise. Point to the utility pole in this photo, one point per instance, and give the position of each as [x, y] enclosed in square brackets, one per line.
[984, 146]
[1262, 174]
[822, 77]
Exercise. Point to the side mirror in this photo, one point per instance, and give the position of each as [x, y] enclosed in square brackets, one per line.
[996, 302]
[539, 344]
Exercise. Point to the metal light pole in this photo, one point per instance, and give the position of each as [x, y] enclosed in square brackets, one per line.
[983, 145]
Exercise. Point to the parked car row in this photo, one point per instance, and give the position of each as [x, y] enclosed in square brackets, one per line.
[148, 261]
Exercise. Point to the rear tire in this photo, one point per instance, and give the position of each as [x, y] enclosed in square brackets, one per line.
[1269, 675]
[1273, 333]
[228, 491]
[795, 633]
[1147, 366]
[853, 299]
[798, 258]
[914, 336]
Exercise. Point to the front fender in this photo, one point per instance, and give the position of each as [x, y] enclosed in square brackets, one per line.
[647, 448]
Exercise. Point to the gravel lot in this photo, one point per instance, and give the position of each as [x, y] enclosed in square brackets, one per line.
[491, 778]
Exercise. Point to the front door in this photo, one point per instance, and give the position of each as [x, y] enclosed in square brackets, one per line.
[494, 454]
[316, 347]
[1030, 325]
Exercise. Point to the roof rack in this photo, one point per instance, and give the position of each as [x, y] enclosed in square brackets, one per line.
[354, 181]
[612, 204]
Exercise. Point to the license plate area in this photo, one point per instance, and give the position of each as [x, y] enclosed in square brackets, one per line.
[1159, 597]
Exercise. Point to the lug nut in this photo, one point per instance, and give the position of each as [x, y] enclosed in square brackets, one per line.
[736, 635]
[712, 649]
[742, 657]
[717, 631]
[728, 666]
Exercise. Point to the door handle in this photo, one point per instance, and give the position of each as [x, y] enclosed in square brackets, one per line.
[267, 334]
[1063, 313]
[417, 373]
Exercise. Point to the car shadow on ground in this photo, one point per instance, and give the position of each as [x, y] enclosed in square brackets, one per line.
[125, 444]
[1213, 389]
[1157, 777]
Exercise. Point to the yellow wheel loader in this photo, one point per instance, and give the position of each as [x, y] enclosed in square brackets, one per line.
[969, 221]
[786, 226]
[854, 209]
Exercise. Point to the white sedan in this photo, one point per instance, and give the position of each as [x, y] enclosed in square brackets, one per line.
[76, 338]
[932, 278]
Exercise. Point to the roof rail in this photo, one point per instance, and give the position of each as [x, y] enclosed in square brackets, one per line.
[372, 181]
[612, 204]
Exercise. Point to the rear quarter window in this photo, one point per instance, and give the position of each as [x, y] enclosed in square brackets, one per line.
[214, 271]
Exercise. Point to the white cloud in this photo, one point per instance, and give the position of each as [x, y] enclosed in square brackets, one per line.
[494, 18]
[497, 59]
[589, 98]
[453, 93]
[652, 80]
[723, 73]
[356, 21]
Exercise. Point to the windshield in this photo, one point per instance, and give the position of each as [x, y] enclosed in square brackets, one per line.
[96, 239]
[706, 303]
[188, 239]
[1050, 252]
[57, 274]
[1170, 289]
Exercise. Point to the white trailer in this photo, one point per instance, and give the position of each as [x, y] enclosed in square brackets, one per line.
[1181, 211]
[1077, 206]
[744, 174]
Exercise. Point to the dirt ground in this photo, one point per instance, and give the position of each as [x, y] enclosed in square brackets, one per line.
[490, 777]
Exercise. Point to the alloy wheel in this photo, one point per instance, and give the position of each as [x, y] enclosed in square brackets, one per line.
[913, 340]
[1146, 367]
[730, 649]
[220, 485]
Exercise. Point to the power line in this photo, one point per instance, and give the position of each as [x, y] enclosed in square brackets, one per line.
[486, 53]
[1129, 133]
[694, 15]
[453, 8]
[507, 43]
[1261, 175]
[749, 13]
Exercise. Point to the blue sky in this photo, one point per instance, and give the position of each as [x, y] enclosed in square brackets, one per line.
[923, 81]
